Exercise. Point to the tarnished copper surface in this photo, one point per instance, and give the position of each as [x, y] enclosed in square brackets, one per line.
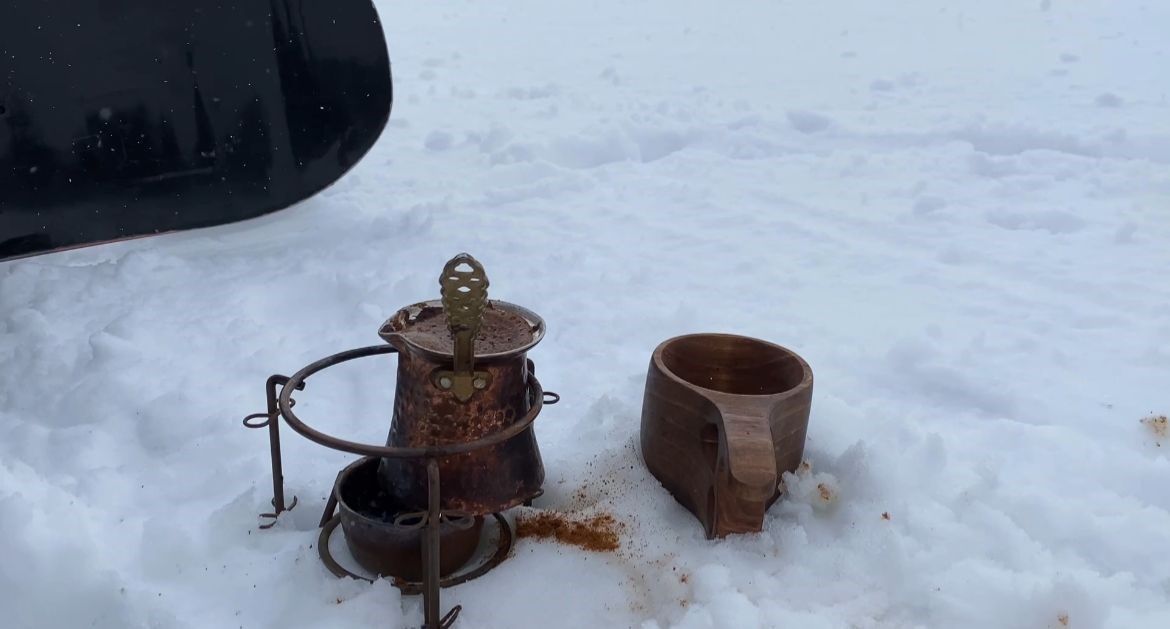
[385, 547]
[502, 330]
[505, 328]
[492, 479]
[429, 411]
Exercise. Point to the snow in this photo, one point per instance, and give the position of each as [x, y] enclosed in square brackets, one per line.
[956, 212]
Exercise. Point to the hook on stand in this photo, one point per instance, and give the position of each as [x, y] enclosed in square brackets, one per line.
[272, 422]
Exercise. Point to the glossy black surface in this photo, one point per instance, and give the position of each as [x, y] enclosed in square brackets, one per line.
[121, 118]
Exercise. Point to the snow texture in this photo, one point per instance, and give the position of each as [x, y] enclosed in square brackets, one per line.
[957, 212]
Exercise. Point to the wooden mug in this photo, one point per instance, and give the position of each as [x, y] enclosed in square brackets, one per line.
[723, 417]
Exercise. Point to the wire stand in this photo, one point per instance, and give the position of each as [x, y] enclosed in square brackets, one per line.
[280, 404]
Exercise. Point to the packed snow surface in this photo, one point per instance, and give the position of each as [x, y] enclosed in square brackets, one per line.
[956, 212]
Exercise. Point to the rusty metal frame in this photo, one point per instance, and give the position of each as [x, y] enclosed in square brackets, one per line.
[273, 425]
[280, 406]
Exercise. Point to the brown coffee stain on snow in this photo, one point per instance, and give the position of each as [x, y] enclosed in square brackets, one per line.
[1159, 425]
[598, 533]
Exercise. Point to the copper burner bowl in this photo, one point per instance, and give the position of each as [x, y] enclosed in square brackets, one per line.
[384, 539]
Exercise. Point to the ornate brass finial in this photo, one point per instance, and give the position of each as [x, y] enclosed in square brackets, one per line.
[464, 291]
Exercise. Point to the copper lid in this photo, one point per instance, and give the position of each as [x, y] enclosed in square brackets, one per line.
[464, 325]
[506, 330]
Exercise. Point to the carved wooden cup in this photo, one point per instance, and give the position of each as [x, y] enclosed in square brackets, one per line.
[723, 417]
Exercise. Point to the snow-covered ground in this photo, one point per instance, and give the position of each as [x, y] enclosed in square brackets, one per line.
[957, 212]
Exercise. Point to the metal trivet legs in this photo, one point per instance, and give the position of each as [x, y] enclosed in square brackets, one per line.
[280, 404]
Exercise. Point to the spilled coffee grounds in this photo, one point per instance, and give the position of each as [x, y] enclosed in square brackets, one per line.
[598, 533]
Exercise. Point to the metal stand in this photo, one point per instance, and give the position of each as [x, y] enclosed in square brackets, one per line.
[280, 405]
[273, 425]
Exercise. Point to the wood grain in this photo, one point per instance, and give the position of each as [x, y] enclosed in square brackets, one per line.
[723, 417]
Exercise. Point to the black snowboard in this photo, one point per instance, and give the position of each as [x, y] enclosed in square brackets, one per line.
[122, 118]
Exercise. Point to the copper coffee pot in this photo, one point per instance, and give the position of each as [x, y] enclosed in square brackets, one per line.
[462, 375]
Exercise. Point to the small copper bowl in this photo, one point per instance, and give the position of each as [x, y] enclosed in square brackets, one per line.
[389, 548]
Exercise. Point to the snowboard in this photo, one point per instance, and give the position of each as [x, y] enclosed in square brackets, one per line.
[125, 118]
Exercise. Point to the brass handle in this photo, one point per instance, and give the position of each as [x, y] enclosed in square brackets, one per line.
[464, 287]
